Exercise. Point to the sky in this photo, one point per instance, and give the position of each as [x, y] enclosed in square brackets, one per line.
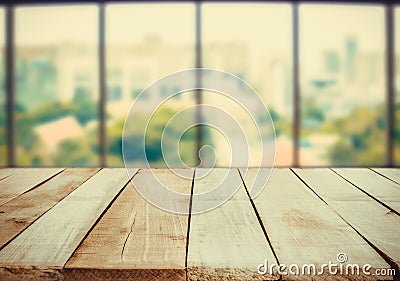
[130, 23]
[263, 26]
[326, 26]
[266, 28]
[54, 24]
[253, 22]
[125, 23]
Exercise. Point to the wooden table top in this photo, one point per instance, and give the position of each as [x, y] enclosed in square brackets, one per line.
[92, 224]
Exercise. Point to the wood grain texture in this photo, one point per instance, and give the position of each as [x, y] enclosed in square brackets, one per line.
[377, 224]
[80, 233]
[47, 244]
[6, 172]
[23, 180]
[391, 173]
[226, 243]
[135, 240]
[377, 186]
[303, 229]
[19, 213]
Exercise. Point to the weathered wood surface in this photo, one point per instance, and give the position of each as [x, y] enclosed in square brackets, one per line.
[226, 243]
[24, 180]
[6, 172]
[91, 224]
[47, 244]
[304, 230]
[390, 173]
[144, 242]
[19, 213]
[377, 224]
[378, 187]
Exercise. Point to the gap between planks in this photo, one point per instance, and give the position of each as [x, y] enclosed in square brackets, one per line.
[392, 174]
[374, 185]
[46, 245]
[378, 225]
[139, 239]
[227, 242]
[17, 214]
[191, 268]
[24, 180]
[304, 230]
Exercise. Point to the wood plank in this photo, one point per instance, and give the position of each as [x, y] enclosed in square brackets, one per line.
[391, 173]
[46, 245]
[6, 172]
[135, 240]
[372, 220]
[19, 213]
[24, 180]
[304, 230]
[226, 243]
[380, 188]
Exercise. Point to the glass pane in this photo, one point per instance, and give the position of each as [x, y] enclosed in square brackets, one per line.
[253, 42]
[342, 76]
[57, 85]
[3, 133]
[144, 43]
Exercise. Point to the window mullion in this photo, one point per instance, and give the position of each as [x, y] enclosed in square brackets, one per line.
[10, 85]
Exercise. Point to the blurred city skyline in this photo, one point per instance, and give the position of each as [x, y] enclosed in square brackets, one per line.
[342, 74]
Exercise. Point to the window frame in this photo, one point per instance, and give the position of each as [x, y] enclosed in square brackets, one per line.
[9, 26]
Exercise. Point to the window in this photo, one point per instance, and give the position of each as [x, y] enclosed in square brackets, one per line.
[342, 83]
[145, 43]
[243, 39]
[56, 85]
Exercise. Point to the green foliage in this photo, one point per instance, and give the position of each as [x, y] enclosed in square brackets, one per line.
[362, 135]
[48, 112]
[84, 109]
[362, 139]
[75, 153]
[282, 125]
[156, 126]
[313, 113]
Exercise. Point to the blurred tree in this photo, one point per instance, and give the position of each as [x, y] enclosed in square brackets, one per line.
[74, 153]
[85, 109]
[362, 139]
